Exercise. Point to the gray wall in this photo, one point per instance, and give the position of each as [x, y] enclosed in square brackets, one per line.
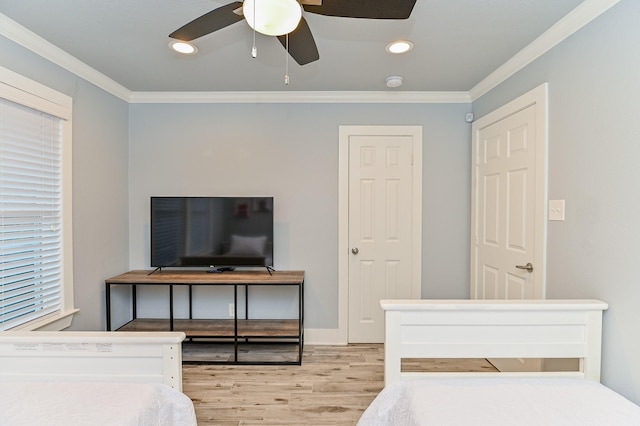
[100, 179]
[290, 151]
[594, 147]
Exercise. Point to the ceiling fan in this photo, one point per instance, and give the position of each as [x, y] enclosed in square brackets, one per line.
[300, 44]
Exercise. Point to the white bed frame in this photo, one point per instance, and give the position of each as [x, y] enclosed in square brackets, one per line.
[493, 329]
[70, 356]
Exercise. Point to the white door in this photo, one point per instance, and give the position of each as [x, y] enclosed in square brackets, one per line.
[509, 203]
[381, 228]
[505, 208]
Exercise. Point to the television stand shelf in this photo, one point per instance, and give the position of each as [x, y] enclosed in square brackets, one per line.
[236, 331]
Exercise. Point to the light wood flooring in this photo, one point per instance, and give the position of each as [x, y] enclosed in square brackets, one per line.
[333, 386]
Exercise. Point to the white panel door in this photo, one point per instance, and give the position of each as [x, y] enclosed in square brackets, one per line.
[505, 208]
[509, 206]
[380, 230]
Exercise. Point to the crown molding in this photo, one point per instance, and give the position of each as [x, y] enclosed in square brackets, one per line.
[30, 40]
[565, 27]
[300, 97]
[571, 23]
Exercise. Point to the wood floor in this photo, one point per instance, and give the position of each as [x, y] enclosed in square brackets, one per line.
[333, 386]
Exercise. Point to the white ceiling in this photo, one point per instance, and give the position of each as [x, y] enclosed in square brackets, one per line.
[458, 43]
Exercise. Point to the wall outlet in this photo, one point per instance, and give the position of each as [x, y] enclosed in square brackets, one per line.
[232, 310]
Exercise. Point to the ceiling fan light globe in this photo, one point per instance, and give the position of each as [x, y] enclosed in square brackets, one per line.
[272, 17]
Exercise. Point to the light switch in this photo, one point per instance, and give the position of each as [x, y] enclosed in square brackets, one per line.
[556, 209]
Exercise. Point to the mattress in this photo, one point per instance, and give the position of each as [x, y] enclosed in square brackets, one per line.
[95, 404]
[500, 401]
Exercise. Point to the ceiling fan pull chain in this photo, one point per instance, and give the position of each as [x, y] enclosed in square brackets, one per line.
[286, 63]
[254, 49]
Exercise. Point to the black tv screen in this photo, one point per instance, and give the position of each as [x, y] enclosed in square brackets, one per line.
[211, 231]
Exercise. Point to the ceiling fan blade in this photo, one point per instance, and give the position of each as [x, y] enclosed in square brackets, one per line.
[371, 9]
[302, 46]
[209, 22]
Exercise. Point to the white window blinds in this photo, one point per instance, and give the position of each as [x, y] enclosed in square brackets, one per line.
[30, 214]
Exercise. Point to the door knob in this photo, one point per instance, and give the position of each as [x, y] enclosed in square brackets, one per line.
[528, 267]
[355, 250]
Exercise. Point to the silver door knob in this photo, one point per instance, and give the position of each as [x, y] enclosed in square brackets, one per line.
[355, 250]
[528, 267]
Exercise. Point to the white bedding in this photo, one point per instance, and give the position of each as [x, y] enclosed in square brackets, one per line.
[95, 404]
[500, 401]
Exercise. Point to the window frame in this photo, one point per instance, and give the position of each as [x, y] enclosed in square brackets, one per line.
[22, 90]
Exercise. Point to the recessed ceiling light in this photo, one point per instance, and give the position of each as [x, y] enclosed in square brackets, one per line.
[400, 46]
[183, 47]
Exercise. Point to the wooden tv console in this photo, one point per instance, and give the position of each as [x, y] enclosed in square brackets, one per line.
[237, 330]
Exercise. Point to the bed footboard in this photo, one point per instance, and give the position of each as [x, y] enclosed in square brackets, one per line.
[493, 329]
[92, 357]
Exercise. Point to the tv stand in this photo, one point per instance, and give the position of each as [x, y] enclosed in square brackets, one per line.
[235, 331]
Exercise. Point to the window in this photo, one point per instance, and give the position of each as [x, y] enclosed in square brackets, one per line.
[36, 286]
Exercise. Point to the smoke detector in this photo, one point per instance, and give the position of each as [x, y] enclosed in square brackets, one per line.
[394, 81]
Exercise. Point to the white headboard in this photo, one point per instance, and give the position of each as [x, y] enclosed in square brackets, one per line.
[92, 356]
[493, 329]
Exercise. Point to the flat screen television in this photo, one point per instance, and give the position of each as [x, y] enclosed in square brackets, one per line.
[216, 232]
